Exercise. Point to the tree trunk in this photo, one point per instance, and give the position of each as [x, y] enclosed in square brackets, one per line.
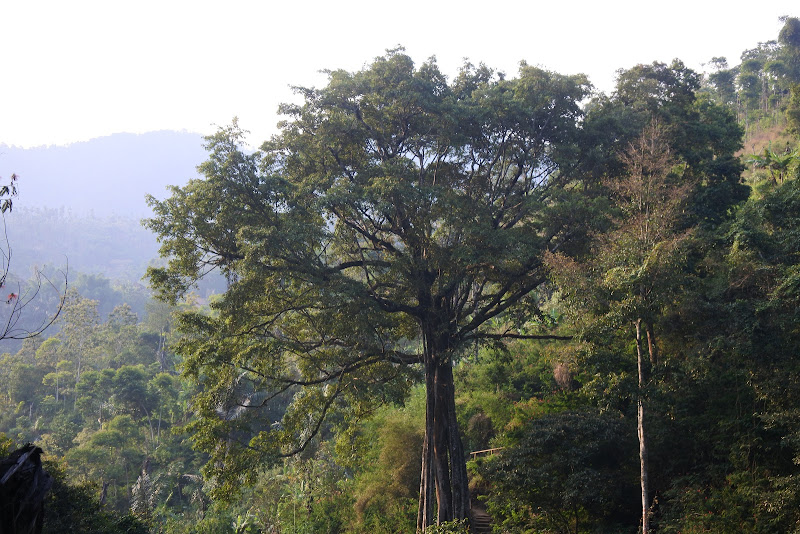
[104, 492]
[651, 345]
[640, 427]
[444, 471]
[427, 484]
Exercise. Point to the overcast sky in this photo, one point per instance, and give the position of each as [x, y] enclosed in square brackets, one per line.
[73, 70]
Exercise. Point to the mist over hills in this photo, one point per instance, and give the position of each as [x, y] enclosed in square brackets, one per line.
[107, 176]
[82, 204]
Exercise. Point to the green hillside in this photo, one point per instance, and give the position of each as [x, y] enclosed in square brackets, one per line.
[490, 303]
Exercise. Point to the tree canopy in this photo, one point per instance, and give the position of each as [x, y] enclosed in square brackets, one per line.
[395, 220]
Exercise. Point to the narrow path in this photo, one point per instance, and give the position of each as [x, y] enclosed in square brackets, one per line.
[481, 521]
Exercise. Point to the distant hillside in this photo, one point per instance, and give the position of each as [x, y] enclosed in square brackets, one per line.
[83, 203]
[116, 247]
[107, 176]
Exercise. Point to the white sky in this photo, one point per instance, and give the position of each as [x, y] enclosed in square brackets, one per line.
[77, 69]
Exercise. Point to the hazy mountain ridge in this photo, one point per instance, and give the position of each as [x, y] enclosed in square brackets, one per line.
[104, 176]
[82, 204]
[116, 247]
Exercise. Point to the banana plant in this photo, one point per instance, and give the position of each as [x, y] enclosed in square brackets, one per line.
[778, 165]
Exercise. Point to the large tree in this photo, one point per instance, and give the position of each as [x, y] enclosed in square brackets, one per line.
[396, 219]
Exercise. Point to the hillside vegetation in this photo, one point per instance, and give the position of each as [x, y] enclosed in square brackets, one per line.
[596, 294]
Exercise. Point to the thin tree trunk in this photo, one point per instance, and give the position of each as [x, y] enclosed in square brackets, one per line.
[641, 431]
[149, 424]
[103, 492]
[651, 345]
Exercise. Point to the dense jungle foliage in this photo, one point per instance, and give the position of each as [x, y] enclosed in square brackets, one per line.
[618, 285]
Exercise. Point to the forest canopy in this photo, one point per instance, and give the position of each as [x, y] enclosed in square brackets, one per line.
[499, 301]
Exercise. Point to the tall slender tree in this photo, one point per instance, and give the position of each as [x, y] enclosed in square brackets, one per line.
[79, 326]
[636, 265]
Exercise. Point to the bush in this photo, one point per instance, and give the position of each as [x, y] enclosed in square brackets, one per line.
[458, 526]
[568, 472]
